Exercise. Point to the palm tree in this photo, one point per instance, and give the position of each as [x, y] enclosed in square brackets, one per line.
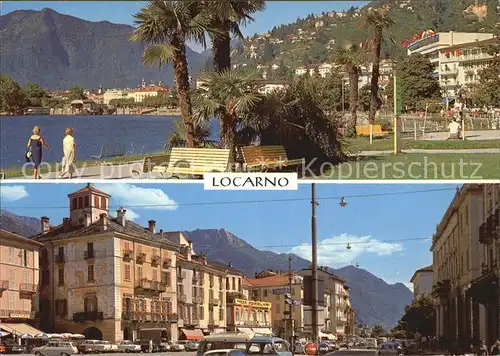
[230, 96]
[167, 26]
[226, 17]
[201, 136]
[379, 20]
[350, 58]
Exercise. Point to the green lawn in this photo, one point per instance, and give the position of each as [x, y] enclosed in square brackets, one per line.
[384, 144]
[418, 167]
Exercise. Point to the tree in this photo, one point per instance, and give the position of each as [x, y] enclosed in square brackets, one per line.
[34, 94]
[201, 136]
[349, 57]
[166, 26]
[229, 93]
[419, 317]
[377, 331]
[418, 86]
[156, 101]
[488, 91]
[12, 98]
[379, 20]
[77, 93]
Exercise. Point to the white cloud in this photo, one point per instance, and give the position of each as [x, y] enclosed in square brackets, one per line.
[333, 251]
[132, 195]
[10, 193]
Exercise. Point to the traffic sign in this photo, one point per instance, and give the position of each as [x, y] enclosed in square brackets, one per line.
[310, 349]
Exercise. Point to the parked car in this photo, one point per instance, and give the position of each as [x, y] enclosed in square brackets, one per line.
[145, 346]
[332, 345]
[175, 346]
[56, 348]
[191, 345]
[112, 347]
[323, 348]
[226, 352]
[94, 346]
[10, 347]
[128, 346]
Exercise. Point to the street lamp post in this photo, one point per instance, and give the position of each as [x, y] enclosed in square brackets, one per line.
[314, 266]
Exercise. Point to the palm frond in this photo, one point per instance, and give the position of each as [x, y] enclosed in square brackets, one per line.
[161, 54]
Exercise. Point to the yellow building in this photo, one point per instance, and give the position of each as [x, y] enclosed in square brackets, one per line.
[19, 276]
[249, 316]
[456, 263]
[106, 278]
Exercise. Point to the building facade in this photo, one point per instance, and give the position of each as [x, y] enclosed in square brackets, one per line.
[106, 278]
[456, 263]
[422, 280]
[247, 316]
[457, 57]
[19, 277]
[485, 289]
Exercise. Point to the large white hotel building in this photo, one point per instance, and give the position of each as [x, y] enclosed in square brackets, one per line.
[458, 57]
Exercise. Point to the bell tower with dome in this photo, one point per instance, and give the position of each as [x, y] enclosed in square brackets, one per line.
[87, 204]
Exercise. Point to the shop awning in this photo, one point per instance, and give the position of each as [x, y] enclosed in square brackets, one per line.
[195, 334]
[263, 331]
[19, 329]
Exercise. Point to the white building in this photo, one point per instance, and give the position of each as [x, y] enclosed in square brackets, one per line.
[422, 280]
[457, 56]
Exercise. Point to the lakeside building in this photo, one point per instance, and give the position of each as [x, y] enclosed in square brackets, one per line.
[19, 277]
[458, 57]
[106, 278]
[457, 256]
[422, 281]
[247, 316]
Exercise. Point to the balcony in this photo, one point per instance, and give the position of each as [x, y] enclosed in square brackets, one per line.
[128, 254]
[441, 289]
[88, 316]
[195, 321]
[59, 258]
[141, 258]
[150, 286]
[28, 288]
[172, 318]
[88, 255]
[198, 300]
[181, 298]
[181, 275]
[155, 260]
[4, 285]
[214, 301]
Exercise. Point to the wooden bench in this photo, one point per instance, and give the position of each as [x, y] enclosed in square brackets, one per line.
[268, 157]
[194, 162]
[364, 130]
[149, 162]
[111, 150]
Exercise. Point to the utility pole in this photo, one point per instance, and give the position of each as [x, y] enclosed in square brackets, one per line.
[314, 266]
[290, 286]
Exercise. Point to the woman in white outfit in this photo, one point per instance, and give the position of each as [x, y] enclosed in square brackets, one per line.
[69, 149]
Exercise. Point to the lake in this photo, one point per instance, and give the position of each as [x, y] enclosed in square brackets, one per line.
[140, 134]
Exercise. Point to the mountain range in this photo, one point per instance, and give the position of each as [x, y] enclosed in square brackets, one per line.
[58, 51]
[375, 301]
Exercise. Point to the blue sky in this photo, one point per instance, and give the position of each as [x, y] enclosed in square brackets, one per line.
[370, 224]
[276, 13]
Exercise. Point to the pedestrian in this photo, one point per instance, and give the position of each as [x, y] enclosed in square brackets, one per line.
[150, 345]
[454, 128]
[495, 349]
[69, 150]
[482, 349]
[35, 144]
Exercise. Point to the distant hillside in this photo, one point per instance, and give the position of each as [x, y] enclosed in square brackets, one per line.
[58, 51]
[313, 39]
[21, 225]
[375, 301]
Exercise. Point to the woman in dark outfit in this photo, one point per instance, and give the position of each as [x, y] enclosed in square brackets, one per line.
[35, 146]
